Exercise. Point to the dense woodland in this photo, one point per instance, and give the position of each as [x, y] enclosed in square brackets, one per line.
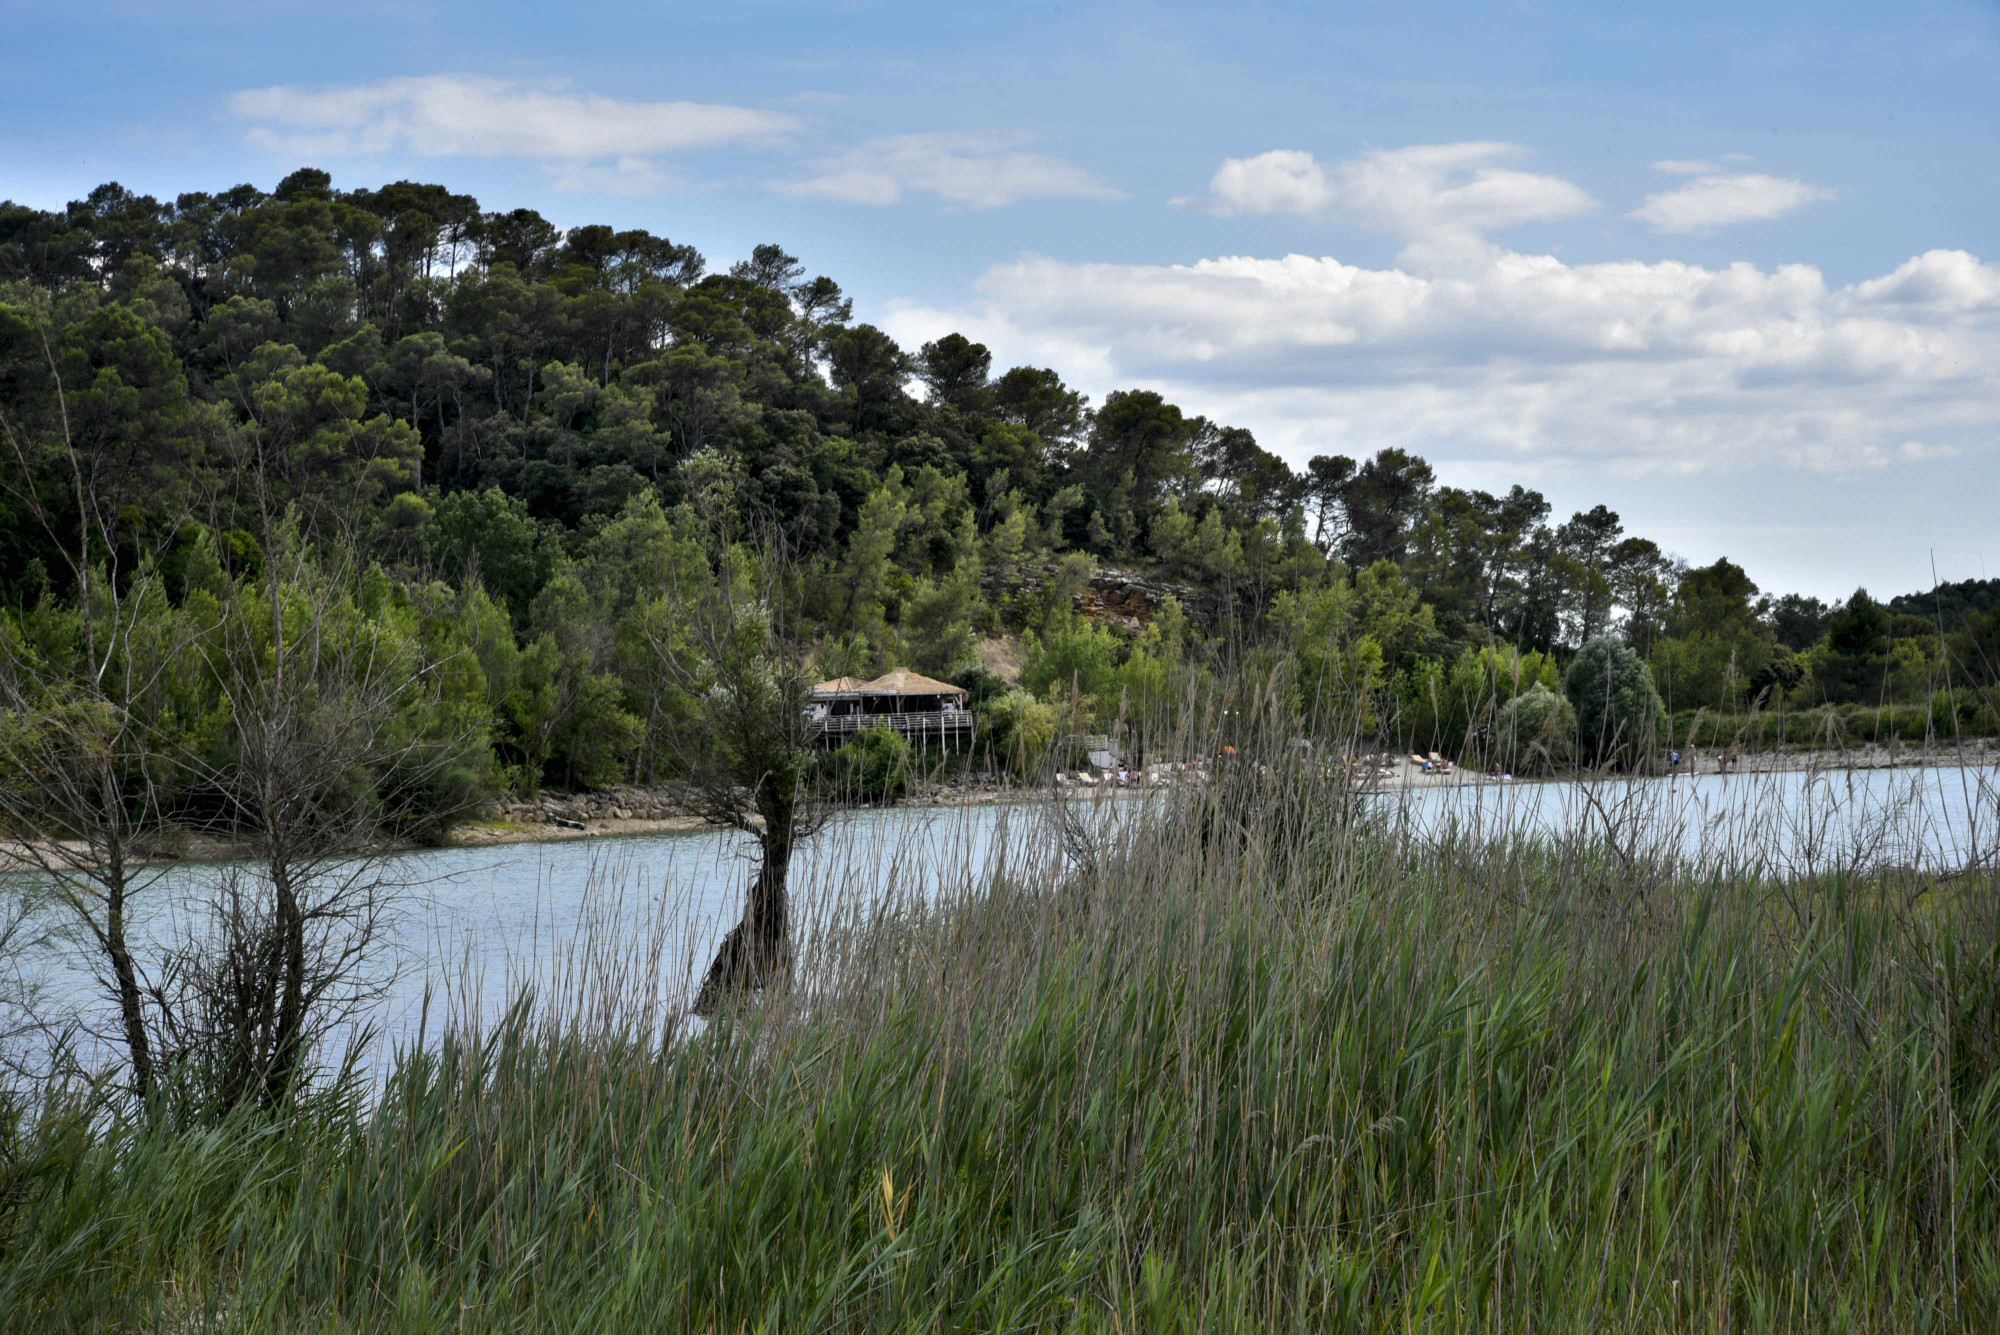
[487, 452]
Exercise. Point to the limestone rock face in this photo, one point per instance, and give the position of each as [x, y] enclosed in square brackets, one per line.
[1122, 597]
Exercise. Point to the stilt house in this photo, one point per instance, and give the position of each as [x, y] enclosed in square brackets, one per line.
[917, 706]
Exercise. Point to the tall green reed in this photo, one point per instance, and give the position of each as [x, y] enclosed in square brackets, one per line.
[1267, 1058]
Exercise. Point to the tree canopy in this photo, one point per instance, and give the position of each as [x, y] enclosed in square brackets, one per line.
[517, 424]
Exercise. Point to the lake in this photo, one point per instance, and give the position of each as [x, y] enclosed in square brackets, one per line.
[1792, 823]
[647, 911]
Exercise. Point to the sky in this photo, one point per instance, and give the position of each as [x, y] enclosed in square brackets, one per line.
[1732, 270]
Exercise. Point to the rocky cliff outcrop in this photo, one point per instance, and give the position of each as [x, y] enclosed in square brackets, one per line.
[1121, 596]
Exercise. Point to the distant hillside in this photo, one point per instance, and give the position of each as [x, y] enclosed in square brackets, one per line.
[520, 437]
[1956, 603]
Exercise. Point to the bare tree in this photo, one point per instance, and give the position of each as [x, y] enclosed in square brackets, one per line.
[325, 740]
[337, 745]
[83, 780]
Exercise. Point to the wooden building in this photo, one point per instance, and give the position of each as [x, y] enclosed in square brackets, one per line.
[917, 706]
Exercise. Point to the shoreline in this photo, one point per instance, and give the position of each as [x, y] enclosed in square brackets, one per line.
[1971, 755]
[1978, 753]
[620, 821]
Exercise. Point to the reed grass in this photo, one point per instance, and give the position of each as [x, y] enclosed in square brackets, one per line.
[1265, 1058]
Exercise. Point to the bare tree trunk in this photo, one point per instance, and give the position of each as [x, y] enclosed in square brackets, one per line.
[321, 767]
[757, 952]
[756, 955]
[288, 1037]
[125, 975]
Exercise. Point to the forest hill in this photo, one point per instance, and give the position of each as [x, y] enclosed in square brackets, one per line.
[505, 443]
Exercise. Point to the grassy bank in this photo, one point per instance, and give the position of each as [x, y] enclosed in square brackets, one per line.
[1946, 720]
[1261, 1066]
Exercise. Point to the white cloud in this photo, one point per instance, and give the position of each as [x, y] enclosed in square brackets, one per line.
[1285, 180]
[592, 142]
[1685, 167]
[1441, 198]
[1642, 368]
[1944, 280]
[978, 171]
[1718, 200]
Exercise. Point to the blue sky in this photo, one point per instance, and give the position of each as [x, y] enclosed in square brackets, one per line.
[1729, 269]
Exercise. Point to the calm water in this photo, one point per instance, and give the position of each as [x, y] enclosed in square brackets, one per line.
[1784, 823]
[480, 922]
[476, 924]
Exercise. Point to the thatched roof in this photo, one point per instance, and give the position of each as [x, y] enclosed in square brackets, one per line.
[897, 681]
[840, 686]
[902, 681]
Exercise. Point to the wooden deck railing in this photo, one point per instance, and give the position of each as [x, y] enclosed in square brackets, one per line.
[913, 724]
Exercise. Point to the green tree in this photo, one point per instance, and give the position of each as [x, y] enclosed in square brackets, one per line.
[876, 766]
[1587, 542]
[1855, 665]
[1141, 452]
[1327, 476]
[940, 622]
[488, 537]
[955, 370]
[1338, 664]
[1036, 399]
[308, 437]
[1384, 503]
[1619, 716]
[744, 753]
[1797, 621]
[863, 586]
[569, 707]
[1074, 654]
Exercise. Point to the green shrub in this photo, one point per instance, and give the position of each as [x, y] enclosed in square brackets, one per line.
[877, 766]
[1536, 732]
[1018, 731]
